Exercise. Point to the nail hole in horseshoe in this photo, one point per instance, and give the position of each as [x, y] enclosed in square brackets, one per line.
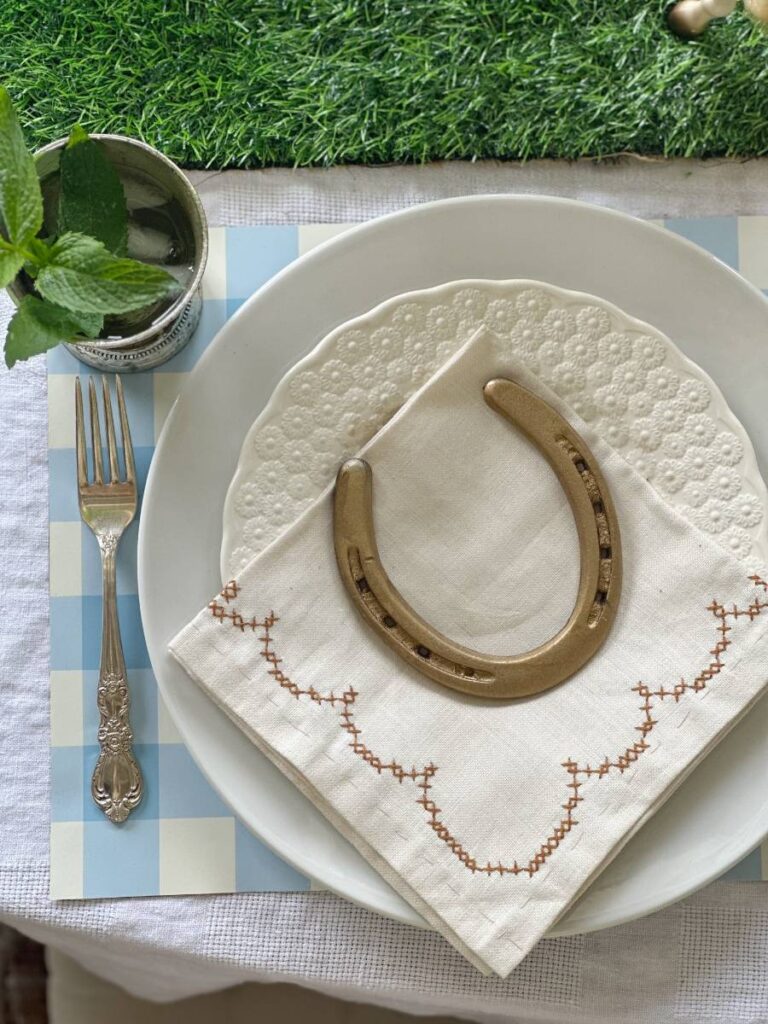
[362, 585]
[389, 622]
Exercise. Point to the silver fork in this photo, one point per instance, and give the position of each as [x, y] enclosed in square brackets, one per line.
[108, 508]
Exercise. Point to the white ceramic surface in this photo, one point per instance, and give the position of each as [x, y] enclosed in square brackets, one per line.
[721, 811]
[642, 395]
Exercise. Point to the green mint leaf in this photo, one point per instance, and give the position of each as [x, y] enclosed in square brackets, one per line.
[21, 203]
[92, 200]
[83, 276]
[11, 263]
[37, 326]
[89, 325]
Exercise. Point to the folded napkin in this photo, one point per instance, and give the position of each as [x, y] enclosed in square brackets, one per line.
[489, 817]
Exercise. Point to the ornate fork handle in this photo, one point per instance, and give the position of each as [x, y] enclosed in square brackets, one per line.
[116, 785]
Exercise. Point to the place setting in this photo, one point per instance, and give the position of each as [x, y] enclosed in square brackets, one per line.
[423, 561]
[497, 533]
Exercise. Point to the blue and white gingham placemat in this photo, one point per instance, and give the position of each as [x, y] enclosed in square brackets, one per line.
[183, 839]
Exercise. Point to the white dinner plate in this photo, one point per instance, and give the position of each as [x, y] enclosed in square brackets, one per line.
[714, 316]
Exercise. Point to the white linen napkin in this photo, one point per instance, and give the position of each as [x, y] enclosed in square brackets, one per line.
[489, 817]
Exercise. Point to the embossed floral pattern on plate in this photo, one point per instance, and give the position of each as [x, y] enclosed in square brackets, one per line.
[632, 384]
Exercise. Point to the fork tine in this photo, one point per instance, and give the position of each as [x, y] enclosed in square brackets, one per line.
[98, 466]
[114, 468]
[82, 464]
[130, 469]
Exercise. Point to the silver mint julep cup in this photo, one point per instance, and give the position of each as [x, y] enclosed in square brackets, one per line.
[161, 185]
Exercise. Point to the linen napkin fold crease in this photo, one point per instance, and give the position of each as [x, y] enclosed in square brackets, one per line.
[489, 817]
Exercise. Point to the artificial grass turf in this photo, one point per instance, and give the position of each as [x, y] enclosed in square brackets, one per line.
[248, 83]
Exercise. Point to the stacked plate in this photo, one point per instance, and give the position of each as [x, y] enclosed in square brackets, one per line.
[313, 365]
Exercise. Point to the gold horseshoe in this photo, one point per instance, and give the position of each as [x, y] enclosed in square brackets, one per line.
[423, 647]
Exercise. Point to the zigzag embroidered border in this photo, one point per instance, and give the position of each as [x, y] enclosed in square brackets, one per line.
[422, 778]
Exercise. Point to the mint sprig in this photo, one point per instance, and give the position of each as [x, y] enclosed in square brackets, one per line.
[82, 274]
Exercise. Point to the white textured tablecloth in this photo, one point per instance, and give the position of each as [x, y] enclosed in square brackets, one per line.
[703, 959]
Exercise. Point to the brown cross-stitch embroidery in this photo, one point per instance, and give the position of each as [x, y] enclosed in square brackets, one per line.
[422, 777]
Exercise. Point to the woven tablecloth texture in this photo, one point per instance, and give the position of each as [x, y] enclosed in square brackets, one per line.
[703, 959]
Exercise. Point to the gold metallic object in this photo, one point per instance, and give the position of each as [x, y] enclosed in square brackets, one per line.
[757, 9]
[423, 647]
[689, 18]
[108, 508]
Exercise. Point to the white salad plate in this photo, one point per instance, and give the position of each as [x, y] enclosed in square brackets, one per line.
[631, 383]
[721, 811]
